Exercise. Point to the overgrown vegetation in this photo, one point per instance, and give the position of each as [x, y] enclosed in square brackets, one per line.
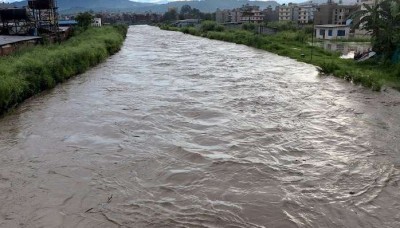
[186, 12]
[383, 20]
[294, 43]
[84, 19]
[33, 70]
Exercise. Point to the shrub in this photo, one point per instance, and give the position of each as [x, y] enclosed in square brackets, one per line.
[249, 27]
[208, 26]
[329, 67]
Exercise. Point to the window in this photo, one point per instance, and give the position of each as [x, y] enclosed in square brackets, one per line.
[322, 32]
[330, 32]
[341, 33]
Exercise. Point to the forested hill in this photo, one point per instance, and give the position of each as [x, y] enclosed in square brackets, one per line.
[126, 5]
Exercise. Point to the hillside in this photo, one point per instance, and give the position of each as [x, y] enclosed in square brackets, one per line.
[210, 5]
[93, 4]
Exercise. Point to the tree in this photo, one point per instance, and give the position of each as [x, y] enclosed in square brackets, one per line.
[84, 19]
[171, 15]
[382, 20]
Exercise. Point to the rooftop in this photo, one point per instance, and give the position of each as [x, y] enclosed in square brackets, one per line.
[4, 40]
[331, 26]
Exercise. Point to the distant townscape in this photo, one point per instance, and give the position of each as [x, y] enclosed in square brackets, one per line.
[330, 16]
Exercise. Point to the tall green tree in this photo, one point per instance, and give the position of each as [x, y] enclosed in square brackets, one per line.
[382, 20]
[171, 15]
[84, 19]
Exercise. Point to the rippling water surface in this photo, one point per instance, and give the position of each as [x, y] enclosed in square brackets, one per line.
[181, 131]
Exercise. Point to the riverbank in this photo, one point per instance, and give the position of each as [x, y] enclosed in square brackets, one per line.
[33, 70]
[294, 45]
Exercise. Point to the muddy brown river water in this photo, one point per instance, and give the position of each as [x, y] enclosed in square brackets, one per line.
[181, 131]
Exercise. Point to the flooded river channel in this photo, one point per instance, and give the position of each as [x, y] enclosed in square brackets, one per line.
[181, 131]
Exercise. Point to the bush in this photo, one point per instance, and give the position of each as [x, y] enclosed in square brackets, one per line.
[249, 27]
[208, 26]
[397, 70]
[219, 28]
[329, 67]
[283, 25]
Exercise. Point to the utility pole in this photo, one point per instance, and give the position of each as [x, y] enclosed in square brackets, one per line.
[312, 35]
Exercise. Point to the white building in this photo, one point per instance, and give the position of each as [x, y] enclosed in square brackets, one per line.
[331, 32]
[96, 22]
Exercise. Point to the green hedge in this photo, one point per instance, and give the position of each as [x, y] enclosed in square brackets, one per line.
[33, 70]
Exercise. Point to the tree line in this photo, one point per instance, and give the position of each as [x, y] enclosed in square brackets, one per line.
[186, 12]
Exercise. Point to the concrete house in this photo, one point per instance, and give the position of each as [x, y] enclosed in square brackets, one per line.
[331, 32]
[96, 22]
[289, 12]
[333, 13]
[187, 22]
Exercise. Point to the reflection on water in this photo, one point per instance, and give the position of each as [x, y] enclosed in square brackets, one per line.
[347, 49]
[182, 131]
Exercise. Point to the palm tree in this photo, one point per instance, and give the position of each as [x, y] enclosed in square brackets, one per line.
[382, 20]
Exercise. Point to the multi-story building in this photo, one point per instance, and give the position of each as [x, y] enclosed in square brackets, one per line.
[246, 13]
[333, 13]
[342, 13]
[271, 14]
[252, 14]
[235, 16]
[289, 12]
[222, 16]
[306, 13]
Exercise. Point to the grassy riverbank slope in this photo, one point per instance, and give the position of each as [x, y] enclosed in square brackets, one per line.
[33, 70]
[294, 44]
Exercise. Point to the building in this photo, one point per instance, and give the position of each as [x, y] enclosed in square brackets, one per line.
[235, 16]
[222, 16]
[306, 13]
[187, 22]
[67, 23]
[289, 12]
[251, 14]
[333, 13]
[246, 13]
[271, 14]
[331, 32]
[10, 44]
[342, 13]
[96, 22]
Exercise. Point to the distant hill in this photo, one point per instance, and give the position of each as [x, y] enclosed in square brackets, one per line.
[92, 4]
[344, 2]
[209, 5]
[129, 6]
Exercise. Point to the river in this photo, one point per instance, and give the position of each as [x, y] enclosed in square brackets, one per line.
[182, 131]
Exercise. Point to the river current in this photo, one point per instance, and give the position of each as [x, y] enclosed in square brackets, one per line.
[182, 131]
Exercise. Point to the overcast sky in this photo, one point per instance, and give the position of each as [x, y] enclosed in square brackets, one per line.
[280, 1]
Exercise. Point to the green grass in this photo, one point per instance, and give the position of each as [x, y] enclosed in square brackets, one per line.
[293, 44]
[33, 70]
